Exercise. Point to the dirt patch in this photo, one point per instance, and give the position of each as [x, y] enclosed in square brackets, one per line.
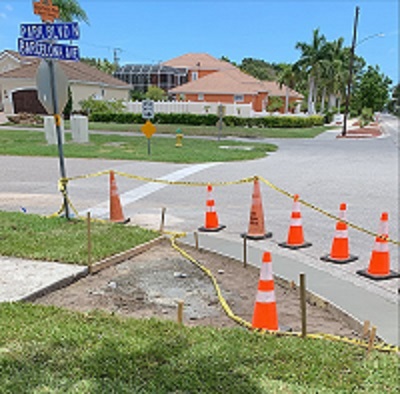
[363, 132]
[151, 284]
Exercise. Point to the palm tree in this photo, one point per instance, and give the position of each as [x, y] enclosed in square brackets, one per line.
[312, 57]
[287, 77]
[71, 10]
[335, 71]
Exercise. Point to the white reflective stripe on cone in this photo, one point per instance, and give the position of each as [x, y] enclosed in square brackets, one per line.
[341, 234]
[295, 222]
[381, 246]
[296, 206]
[265, 296]
[384, 228]
[266, 271]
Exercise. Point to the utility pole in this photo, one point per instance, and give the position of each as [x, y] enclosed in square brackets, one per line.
[349, 82]
[116, 58]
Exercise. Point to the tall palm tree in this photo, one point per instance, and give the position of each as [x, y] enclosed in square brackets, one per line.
[287, 77]
[336, 70]
[71, 10]
[311, 60]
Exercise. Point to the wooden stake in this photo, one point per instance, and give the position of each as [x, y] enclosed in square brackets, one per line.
[371, 339]
[365, 330]
[180, 312]
[162, 219]
[89, 243]
[196, 239]
[245, 251]
[303, 305]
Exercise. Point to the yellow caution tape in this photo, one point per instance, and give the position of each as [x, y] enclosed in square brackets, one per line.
[63, 182]
[327, 214]
[384, 347]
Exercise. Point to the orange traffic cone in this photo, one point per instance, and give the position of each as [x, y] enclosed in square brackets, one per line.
[211, 222]
[256, 229]
[265, 313]
[379, 263]
[116, 214]
[340, 246]
[295, 239]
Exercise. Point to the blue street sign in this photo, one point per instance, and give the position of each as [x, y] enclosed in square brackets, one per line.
[46, 50]
[50, 31]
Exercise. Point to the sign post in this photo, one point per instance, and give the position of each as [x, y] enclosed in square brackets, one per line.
[148, 129]
[38, 40]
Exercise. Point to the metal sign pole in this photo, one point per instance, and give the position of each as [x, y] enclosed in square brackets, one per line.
[58, 132]
[148, 146]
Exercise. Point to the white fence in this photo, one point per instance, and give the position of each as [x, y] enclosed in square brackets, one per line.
[169, 107]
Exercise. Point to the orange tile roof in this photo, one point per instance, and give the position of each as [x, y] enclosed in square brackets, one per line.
[198, 61]
[75, 71]
[227, 79]
[274, 90]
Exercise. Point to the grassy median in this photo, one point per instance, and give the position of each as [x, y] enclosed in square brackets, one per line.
[50, 350]
[33, 143]
[57, 239]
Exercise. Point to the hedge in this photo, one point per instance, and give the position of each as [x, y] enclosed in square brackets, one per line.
[211, 120]
[275, 121]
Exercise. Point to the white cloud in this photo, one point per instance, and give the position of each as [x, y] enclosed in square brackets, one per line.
[3, 15]
[9, 7]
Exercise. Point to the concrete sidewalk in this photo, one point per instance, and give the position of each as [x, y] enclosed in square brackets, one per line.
[22, 279]
[347, 295]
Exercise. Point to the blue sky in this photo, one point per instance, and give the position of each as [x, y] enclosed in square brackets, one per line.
[157, 30]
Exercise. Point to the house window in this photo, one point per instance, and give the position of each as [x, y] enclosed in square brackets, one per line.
[195, 75]
[238, 98]
[200, 97]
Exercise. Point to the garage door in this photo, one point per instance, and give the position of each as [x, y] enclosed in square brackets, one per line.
[27, 101]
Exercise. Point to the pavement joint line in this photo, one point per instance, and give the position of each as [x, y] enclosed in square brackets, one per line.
[102, 210]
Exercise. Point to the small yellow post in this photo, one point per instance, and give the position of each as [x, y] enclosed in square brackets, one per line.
[162, 219]
[179, 137]
[371, 339]
[180, 312]
[89, 243]
[303, 305]
[365, 330]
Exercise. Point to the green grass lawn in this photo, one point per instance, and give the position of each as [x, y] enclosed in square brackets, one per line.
[212, 131]
[33, 143]
[50, 350]
[57, 239]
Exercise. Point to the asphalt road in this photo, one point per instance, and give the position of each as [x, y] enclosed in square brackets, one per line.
[325, 171]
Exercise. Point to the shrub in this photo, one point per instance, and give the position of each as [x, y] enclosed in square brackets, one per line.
[274, 104]
[211, 120]
[91, 105]
[366, 116]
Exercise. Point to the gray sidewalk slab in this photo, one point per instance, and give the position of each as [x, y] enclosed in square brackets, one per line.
[356, 301]
[22, 279]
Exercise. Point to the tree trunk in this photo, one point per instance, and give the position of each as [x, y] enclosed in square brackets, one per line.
[287, 100]
[331, 101]
[339, 104]
[322, 109]
[310, 96]
[315, 97]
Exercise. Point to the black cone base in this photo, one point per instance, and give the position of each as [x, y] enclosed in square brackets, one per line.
[295, 247]
[256, 237]
[212, 230]
[390, 275]
[329, 259]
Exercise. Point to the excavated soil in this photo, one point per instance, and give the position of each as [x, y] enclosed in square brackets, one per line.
[151, 284]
